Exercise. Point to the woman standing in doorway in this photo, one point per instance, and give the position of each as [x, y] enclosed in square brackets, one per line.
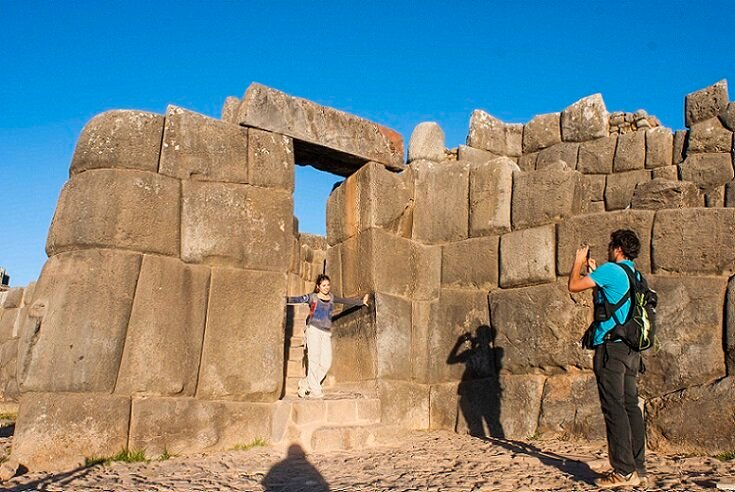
[319, 334]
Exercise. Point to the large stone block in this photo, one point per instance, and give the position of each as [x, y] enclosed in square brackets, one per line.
[443, 406]
[491, 134]
[57, 431]
[705, 103]
[270, 160]
[595, 230]
[109, 208]
[730, 328]
[73, 336]
[571, 407]
[404, 403]
[596, 185]
[354, 339]
[229, 109]
[689, 328]
[187, 426]
[164, 340]
[620, 188]
[427, 142]
[204, 149]
[698, 419]
[119, 139]
[596, 156]
[670, 173]
[242, 355]
[708, 171]
[471, 264]
[235, 225]
[630, 152]
[527, 162]
[659, 147]
[680, 146]
[662, 193]
[471, 154]
[441, 211]
[543, 197]
[539, 327]
[527, 257]
[566, 151]
[541, 132]
[694, 241]
[325, 137]
[709, 136]
[13, 298]
[490, 191]
[586, 119]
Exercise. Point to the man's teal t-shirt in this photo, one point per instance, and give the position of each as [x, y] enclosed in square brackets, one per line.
[613, 281]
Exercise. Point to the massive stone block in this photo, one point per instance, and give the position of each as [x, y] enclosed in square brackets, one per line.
[404, 403]
[662, 193]
[270, 160]
[630, 152]
[188, 426]
[595, 230]
[596, 156]
[119, 139]
[82, 298]
[427, 142]
[164, 340]
[490, 191]
[242, 355]
[586, 119]
[539, 327]
[670, 173]
[709, 136]
[705, 103]
[571, 408]
[109, 208]
[527, 257]
[443, 406]
[620, 188]
[694, 241]
[659, 147]
[543, 197]
[689, 328]
[708, 171]
[491, 134]
[471, 264]
[697, 419]
[542, 131]
[57, 431]
[596, 185]
[354, 338]
[441, 212]
[236, 225]
[324, 137]
[565, 151]
[202, 148]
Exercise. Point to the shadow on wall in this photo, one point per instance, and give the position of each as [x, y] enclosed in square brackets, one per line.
[480, 394]
[294, 473]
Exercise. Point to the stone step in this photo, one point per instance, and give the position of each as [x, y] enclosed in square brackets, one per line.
[295, 368]
[296, 353]
[297, 342]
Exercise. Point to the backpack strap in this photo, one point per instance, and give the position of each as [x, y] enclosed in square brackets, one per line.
[628, 295]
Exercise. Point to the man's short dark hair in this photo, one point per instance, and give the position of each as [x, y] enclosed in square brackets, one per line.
[627, 241]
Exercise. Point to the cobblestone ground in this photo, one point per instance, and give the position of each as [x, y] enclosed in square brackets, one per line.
[435, 461]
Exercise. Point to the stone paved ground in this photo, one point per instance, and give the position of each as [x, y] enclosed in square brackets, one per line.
[435, 461]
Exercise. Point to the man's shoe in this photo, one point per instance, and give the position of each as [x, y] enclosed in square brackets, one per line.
[613, 479]
[301, 391]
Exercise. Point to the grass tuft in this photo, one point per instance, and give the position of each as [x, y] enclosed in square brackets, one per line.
[124, 455]
[258, 442]
[166, 455]
[8, 416]
[726, 456]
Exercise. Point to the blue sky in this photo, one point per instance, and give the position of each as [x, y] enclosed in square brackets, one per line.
[398, 63]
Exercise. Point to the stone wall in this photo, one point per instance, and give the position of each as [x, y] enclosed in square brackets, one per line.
[308, 259]
[14, 304]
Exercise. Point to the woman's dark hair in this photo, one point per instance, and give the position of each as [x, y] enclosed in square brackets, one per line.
[321, 278]
[627, 241]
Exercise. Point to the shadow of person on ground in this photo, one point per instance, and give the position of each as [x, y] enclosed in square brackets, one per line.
[479, 391]
[294, 473]
[59, 481]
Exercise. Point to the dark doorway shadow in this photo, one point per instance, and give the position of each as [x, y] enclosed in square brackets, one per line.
[480, 394]
[294, 473]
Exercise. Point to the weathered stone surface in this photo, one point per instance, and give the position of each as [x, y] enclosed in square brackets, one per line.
[404, 403]
[229, 109]
[236, 225]
[596, 156]
[663, 193]
[443, 406]
[471, 264]
[164, 340]
[119, 139]
[709, 136]
[542, 131]
[372, 197]
[708, 171]
[527, 162]
[8, 321]
[595, 230]
[527, 257]
[441, 210]
[715, 198]
[630, 152]
[539, 327]
[270, 160]
[491, 134]
[427, 142]
[596, 184]
[354, 338]
[697, 419]
[705, 103]
[586, 119]
[620, 188]
[471, 154]
[324, 137]
[680, 146]
[57, 431]
[659, 147]
[571, 408]
[83, 298]
[669, 172]
[490, 191]
[186, 426]
[110, 208]
[242, 354]
[730, 328]
[727, 116]
[393, 336]
[542, 197]
[565, 151]
[13, 298]
[694, 241]
[595, 207]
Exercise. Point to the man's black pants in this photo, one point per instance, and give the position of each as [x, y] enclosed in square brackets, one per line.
[616, 369]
